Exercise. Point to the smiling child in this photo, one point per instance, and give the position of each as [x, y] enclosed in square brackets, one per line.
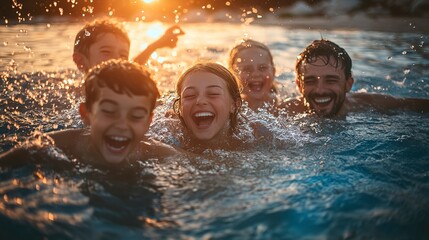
[208, 104]
[119, 99]
[253, 63]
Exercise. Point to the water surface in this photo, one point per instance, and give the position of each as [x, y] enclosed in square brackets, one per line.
[363, 177]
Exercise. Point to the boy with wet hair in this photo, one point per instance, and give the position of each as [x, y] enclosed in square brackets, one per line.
[324, 79]
[104, 39]
[119, 99]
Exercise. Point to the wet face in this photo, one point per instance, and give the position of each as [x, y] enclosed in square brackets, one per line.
[108, 46]
[324, 86]
[118, 123]
[255, 71]
[206, 105]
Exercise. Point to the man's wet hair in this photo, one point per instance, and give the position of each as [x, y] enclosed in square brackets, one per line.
[325, 50]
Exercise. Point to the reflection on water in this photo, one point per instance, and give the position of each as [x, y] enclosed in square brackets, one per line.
[358, 178]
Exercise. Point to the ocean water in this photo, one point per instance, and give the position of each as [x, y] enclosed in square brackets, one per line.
[363, 177]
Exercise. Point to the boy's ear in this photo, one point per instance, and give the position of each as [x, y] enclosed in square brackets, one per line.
[83, 111]
[80, 60]
[349, 84]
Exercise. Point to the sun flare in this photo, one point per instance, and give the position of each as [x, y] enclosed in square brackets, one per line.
[148, 1]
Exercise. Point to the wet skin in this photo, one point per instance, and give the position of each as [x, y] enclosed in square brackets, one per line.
[255, 71]
[118, 123]
[324, 87]
[108, 46]
[206, 106]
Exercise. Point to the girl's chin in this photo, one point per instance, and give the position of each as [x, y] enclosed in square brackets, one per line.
[115, 160]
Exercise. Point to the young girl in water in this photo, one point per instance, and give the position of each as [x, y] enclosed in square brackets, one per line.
[208, 106]
[253, 63]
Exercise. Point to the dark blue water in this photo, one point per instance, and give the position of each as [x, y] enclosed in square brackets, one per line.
[363, 177]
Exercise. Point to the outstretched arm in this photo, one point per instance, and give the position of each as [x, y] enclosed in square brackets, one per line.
[169, 39]
[15, 157]
[415, 104]
[386, 102]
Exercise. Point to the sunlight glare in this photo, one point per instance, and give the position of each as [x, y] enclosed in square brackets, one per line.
[148, 1]
[155, 31]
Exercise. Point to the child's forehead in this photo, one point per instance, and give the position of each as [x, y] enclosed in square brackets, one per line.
[102, 36]
[252, 54]
[203, 78]
[106, 92]
[253, 50]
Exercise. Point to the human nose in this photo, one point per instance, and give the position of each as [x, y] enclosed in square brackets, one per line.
[320, 85]
[118, 55]
[201, 100]
[121, 121]
[254, 72]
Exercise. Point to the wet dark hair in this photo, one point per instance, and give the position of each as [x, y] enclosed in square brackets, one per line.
[326, 50]
[89, 33]
[232, 83]
[122, 77]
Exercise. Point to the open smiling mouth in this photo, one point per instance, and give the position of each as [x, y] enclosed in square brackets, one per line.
[322, 100]
[203, 119]
[116, 143]
[255, 86]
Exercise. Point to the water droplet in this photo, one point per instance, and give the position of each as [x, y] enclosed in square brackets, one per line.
[87, 33]
[407, 70]
[404, 52]
[389, 58]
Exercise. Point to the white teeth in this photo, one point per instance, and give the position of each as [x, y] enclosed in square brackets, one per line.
[118, 138]
[322, 100]
[204, 114]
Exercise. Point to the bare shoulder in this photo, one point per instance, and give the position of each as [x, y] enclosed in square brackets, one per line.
[156, 149]
[69, 140]
[384, 102]
[369, 98]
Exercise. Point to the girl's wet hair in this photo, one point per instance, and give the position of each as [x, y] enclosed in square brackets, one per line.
[246, 44]
[325, 50]
[234, 86]
[89, 33]
[122, 77]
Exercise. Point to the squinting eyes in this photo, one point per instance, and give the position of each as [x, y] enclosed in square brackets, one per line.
[138, 117]
[250, 69]
[109, 111]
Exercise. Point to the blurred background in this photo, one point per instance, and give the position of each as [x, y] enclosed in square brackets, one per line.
[189, 10]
